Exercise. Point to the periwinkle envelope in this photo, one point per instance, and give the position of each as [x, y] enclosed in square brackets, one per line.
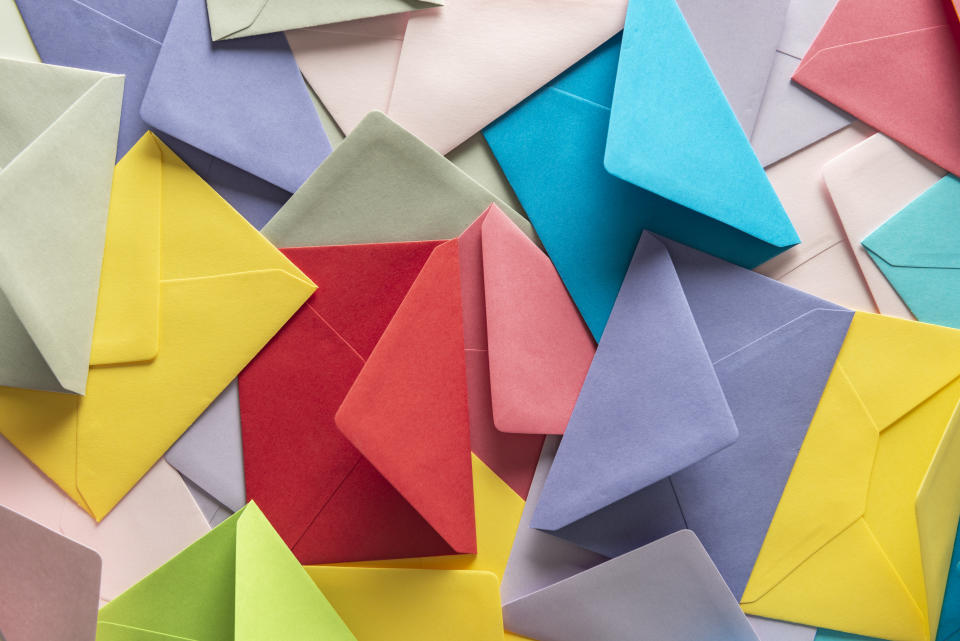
[773, 348]
[917, 252]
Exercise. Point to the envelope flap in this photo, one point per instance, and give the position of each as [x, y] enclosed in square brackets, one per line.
[915, 359]
[275, 597]
[407, 410]
[539, 347]
[926, 233]
[229, 17]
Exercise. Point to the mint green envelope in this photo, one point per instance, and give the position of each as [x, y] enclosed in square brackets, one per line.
[918, 251]
[239, 18]
[382, 184]
[58, 143]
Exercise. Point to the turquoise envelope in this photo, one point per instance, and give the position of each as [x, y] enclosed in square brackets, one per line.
[675, 161]
[918, 251]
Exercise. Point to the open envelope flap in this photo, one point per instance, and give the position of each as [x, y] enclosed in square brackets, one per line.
[645, 420]
[539, 347]
[926, 233]
[54, 205]
[407, 410]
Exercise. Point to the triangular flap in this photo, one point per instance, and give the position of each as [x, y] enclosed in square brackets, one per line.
[926, 233]
[539, 347]
[274, 593]
[883, 353]
[407, 410]
[52, 239]
[634, 412]
[665, 93]
[227, 18]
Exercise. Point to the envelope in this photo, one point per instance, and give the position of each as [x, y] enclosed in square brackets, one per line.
[126, 38]
[883, 432]
[868, 184]
[239, 581]
[56, 166]
[189, 293]
[864, 61]
[772, 348]
[916, 251]
[154, 521]
[446, 73]
[237, 20]
[413, 605]
[15, 39]
[553, 147]
[616, 600]
[50, 584]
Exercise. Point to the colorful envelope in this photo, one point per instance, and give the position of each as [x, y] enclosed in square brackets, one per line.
[864, 61]
[413, 605]
[552, 148]
[872, 503]
[446, 73]
[48, 585]
[868, 184]
[772, 348]
[237, 582]
[56, 166]
[237, 20]
[617, 599]
[154, 521]
[916, 251]
[189, 293]
[126, 38]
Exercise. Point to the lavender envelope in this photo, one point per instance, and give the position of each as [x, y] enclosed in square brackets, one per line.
[125, 37]
[772, 348]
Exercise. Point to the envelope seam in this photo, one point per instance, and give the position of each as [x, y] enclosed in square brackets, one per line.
[320, 510]
[860, 42]
[115, 21]
[774, 331]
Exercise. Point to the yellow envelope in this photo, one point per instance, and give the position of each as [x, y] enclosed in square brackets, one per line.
[189, 293]
[862, 538]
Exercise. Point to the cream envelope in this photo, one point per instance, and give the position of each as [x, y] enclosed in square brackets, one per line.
[868, 184]
[156, 520]
[59, 138]
[822, 263]
[446, 73]
[190, 292]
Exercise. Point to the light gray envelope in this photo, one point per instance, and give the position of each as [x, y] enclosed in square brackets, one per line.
[210, 508]
[210, 453]
[538, 559]
[668, 590]
[769, 630]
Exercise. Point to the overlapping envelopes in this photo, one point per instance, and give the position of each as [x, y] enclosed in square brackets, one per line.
[771, 348]
[48, 584]
[238, 582]
[56, 166]
[871, 506]
[662, 144]
[189, 293]
[865, 61]
[252, 17]
[446, 73]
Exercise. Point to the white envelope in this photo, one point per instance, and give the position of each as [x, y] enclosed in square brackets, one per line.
[446, 73]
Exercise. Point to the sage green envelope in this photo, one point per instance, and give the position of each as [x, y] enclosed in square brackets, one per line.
[381, 185]
[240, 18]
[15, 41]
[58, 142]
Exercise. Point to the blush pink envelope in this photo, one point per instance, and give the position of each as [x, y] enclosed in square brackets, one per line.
[895, 65]
[155, 521]
[446, 73]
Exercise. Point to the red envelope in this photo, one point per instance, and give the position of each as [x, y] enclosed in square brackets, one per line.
[895, 65]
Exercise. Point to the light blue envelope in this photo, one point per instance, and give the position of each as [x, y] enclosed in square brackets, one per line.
[552, 148]
[918, 251]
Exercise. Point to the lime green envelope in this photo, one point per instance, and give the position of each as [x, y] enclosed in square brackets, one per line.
[237, 583]
[382, 184]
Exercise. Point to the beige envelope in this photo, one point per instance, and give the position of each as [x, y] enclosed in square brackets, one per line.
[868, 184]
[446, 73]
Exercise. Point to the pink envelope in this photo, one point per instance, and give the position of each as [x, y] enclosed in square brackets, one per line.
[155, 521]
[895, 65]
[446, 73]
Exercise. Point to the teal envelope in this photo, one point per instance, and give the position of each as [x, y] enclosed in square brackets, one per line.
[918, 251]
[675, 162]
